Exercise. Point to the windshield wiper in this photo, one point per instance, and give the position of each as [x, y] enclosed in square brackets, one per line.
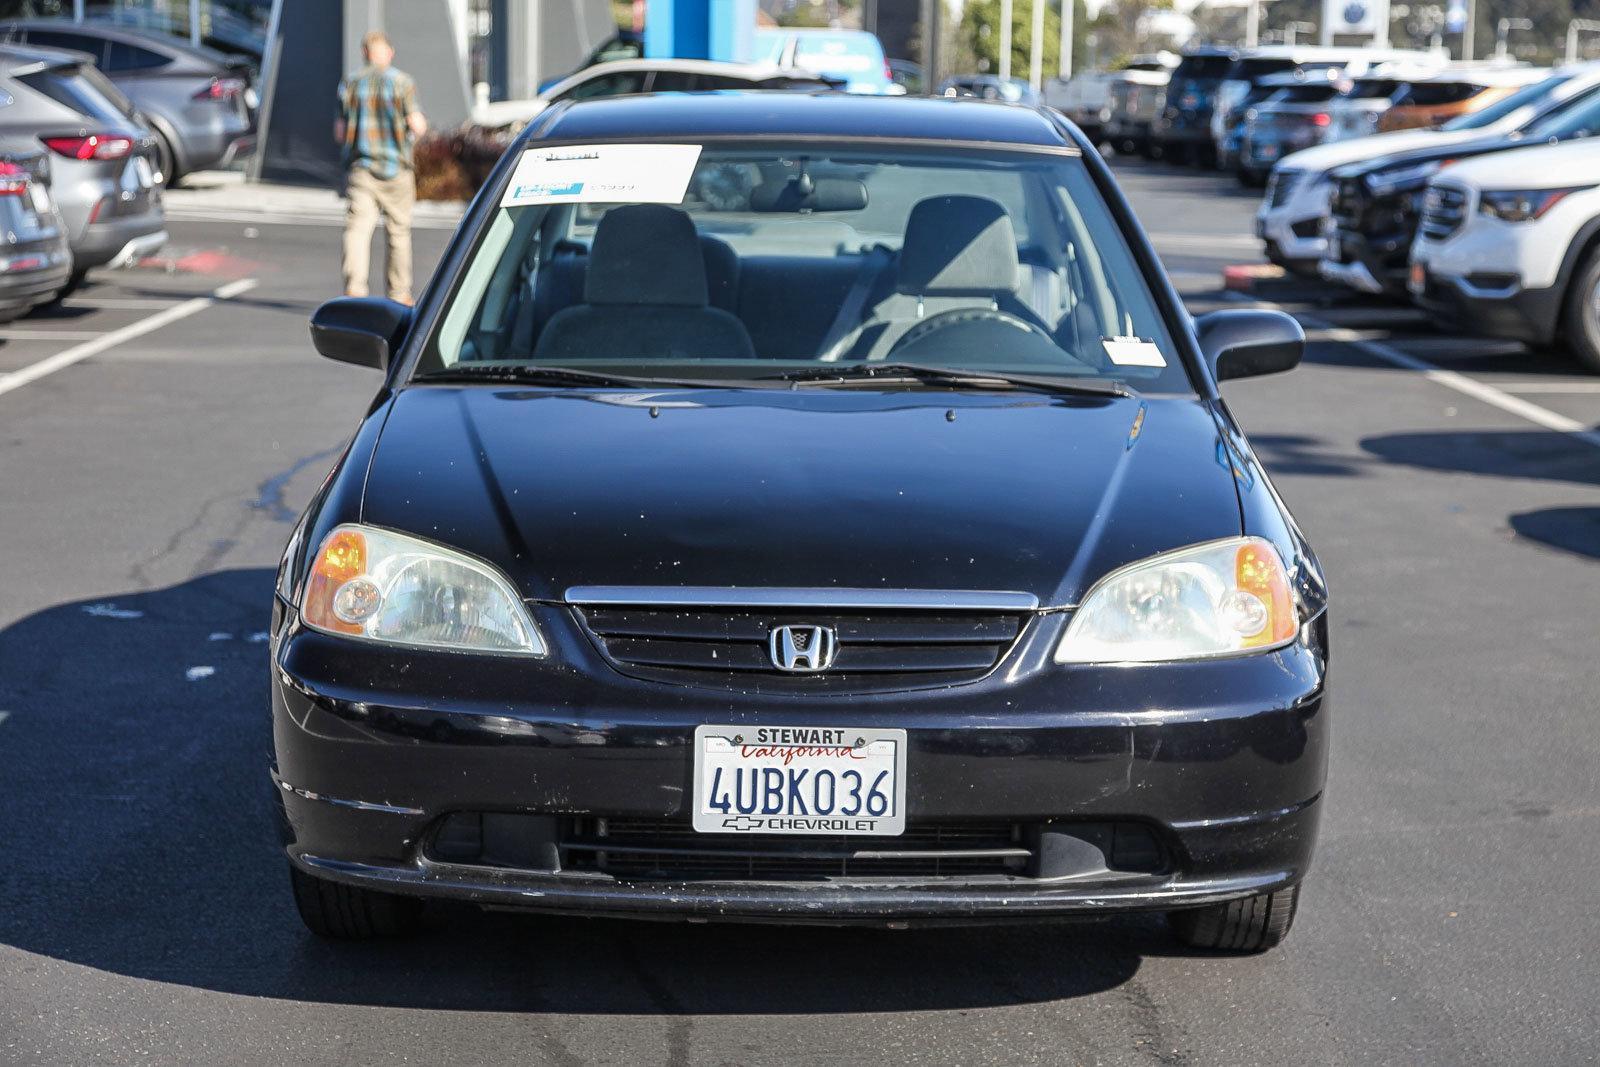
[528, 373]
[900, 373]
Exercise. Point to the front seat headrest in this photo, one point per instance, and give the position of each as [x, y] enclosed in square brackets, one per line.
[646, 254]
[958, 246]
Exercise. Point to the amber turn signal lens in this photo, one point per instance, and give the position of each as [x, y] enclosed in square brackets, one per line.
[1258, 571]
[343, 557]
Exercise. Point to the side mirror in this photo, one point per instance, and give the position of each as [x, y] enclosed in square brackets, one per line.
[363, 330]
[1243, 344]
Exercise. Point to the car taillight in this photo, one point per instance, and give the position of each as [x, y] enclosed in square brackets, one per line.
[220, 89]
[13, 179]
[1321, 118]
[94, 146]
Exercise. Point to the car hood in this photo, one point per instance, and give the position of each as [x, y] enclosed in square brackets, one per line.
[1538, 166]
[1430, 153]
[1325, 157]
[811, 487]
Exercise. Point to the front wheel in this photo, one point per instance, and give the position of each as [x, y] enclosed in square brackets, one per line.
[1254, 924]
[1582, 318]
[346, 913]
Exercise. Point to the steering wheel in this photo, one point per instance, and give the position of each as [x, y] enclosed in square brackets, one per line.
[962, 316]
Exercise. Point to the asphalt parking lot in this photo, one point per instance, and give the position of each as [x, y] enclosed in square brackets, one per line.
[160, 431]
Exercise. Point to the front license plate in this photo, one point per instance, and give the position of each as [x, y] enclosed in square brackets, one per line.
[799, 780]
[1418, 282]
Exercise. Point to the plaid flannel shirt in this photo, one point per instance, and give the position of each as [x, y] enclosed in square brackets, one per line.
[375, 105]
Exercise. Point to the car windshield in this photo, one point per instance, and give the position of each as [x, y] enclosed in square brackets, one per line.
[1501, 108]
[737, 262]
[84, 90]
[1372, 89]
[1578, 117]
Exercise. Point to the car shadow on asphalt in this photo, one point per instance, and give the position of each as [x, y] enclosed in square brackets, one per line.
[1535, 455]
[1524, 455]
[142, 841]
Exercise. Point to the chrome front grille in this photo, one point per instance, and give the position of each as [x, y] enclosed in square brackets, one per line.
[877, 642]
[1444, 210]
[1349, 206]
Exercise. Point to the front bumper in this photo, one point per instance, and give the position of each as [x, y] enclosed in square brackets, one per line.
[1224, 761]
[1499, 310]
[1352, 260]
[1291, 229]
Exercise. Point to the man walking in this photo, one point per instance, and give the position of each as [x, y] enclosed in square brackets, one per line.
[378, 121]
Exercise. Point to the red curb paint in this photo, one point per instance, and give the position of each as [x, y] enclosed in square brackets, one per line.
[213, 262]
[1242, 277]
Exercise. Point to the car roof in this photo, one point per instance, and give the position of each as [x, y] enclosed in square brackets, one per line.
[1292, 78]
[25, 58]
[115, 31]
[799, 114]
[809, 31]
[1488, 75]
[689, 66]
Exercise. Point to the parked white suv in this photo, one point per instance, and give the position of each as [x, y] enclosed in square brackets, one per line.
[1290, 219]
[1509, 246]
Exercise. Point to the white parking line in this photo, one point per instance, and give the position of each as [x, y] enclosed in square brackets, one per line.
[61, 360]
[1450, 379]
[296, 218]
[1205, 240]
[49, 335]
[117, 303]
[1549, 387]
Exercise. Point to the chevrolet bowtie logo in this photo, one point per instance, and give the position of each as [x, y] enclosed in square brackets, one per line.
[741, 822]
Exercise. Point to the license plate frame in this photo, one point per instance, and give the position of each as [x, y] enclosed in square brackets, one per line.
[775, 756]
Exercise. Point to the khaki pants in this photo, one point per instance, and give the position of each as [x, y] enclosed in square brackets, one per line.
[371, 196]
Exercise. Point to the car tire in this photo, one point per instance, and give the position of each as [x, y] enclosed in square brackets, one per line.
[167, 160]
[1582, 315]
[1253, 924]
[346, 913]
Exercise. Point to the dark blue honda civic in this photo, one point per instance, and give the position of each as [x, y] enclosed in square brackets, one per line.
[801, 509]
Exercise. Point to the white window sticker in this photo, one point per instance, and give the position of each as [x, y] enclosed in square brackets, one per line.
[1133, 352]
[603, 174]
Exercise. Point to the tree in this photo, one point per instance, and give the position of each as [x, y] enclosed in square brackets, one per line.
[980, 33]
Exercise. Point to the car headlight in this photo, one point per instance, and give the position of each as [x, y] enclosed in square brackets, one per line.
[1386, 182]
[1217, 599]
[1523, 205]
[384, 586]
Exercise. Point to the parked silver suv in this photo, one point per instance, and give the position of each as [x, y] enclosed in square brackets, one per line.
[103, 169]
